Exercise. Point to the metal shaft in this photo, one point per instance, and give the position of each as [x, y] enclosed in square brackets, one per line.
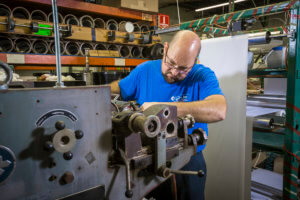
[59, 82]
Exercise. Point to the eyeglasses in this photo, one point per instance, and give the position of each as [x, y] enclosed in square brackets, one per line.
[179, 69]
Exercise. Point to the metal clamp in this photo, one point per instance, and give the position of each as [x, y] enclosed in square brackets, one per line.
[9, 76]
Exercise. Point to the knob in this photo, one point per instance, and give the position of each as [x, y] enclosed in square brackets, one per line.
[68, 155]
[79, 134]
[68, 177]
[59, 125]
[128, 193]
[48, 146]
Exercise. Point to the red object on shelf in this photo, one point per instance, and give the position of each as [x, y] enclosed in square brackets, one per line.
[163, 21]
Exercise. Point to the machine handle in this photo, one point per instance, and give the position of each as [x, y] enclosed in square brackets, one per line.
[9, 76]
[165, 172]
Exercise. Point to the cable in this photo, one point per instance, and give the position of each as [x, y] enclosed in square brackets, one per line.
[254, 166]
[178, 12]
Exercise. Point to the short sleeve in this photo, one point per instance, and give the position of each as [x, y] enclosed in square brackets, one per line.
[210, 85]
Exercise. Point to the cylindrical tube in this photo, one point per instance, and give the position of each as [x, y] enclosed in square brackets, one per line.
[21, 12]
[263, 122]
[124, 51]
[145, 53]
[5, 10]
[23, 45]
[52, 48]
[144, 28]
[264, 39]
[112, 25]
[39, 15]
[112, 47]
[84, 46]
[6, 44]
[87, 21]
[137, 27]
[40, 47]
[135, 52]
[72, 48]
[99, 23]
[60, 18]
[126, 27]
[71, 19]
[100, 47]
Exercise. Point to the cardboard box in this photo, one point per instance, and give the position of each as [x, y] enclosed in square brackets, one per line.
[141, 5]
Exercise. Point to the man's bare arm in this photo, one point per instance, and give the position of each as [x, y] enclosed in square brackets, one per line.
[114, 87]
[211, 109]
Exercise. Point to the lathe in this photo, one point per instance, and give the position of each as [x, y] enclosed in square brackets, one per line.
[84, 143]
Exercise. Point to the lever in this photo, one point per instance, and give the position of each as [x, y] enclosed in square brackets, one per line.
[129, 192]
[165, 172]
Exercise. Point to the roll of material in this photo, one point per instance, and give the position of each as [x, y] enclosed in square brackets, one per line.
[6, 44]
[52, 48]
[113, 47]
[23, 45]
[264, 39]
[39, 15]
[144, 28]
[87, 21]
[100, 47]
[5, 10]
[40, 47]
[137, 27]
[99, 23]
[135, 52]
[263, 122]
[112, 25]
[72, 48]
[21, 12]
[71, 19]
[126, 27]
[155, 51]
[124, 51]
[85, 46]
[60, 18]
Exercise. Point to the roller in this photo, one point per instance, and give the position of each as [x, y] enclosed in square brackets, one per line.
[100, 47]
[137, 27]
[135, 52]
[155, 51]
[60, 18]
[39, 15]
[99, 23]
[52, 48]
[84, 46]
[23, 45]
[20, 12]
[72, 48]
[260, 39]
[112, 47]
[5, 10]
[6, 44]
[112, 25]
[144, 28]
[124, 51]
[87, 21]
[126, 27]
[40, 47]
[71, 19]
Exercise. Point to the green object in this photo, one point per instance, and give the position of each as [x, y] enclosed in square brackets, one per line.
[44, 32]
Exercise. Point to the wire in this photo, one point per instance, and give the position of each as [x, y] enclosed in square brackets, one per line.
[178, 12]
[254, 166]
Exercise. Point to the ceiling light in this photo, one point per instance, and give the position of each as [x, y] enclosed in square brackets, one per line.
[218, 5]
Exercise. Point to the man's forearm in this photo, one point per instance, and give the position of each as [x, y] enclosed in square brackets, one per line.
[212, 109]
[114, 87]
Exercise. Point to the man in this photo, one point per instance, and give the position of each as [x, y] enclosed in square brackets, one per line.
[177, 80]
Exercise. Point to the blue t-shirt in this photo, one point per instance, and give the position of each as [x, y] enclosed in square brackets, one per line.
[147, 84]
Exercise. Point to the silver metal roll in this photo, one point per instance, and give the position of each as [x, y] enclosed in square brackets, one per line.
[135, 52]
[112, 25]
[87, 21]
[60, 18]
[71, 19]
[113, 47]
[124, 51]
[5, 10]
[20, 12]
[40, 47]
[84, 46]
[100, 47]
[23, 45]
[99, 23]
[6, 44]
[52, 47]
[126, 27]
[262, 39]
[137, 27]
[39, 15]
[72, 48]
[144, 28]
[263, 122]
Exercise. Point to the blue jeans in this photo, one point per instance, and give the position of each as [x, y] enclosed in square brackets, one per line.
[191, 187]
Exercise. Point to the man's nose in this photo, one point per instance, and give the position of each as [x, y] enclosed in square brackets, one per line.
[174, 72]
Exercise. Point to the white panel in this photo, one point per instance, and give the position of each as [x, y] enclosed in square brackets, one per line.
[119, 62]
[226, 154]
[15, 59]
[275, 86]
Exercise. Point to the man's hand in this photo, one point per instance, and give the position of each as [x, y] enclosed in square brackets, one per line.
[148, 104]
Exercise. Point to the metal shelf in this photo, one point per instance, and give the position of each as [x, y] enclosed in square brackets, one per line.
[267, 73]
[34, 59]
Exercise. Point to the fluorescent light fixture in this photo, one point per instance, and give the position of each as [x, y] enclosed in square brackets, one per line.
[218, 5]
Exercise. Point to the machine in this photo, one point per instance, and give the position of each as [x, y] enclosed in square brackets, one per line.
[82, 143]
